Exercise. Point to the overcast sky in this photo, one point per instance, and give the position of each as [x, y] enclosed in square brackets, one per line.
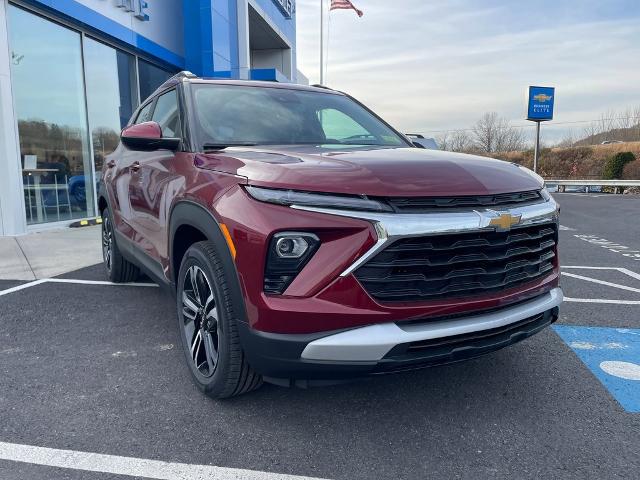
[428, 65]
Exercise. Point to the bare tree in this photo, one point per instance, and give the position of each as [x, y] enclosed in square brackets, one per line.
[625, 119]
[493, 133]
[591, 131]
[567, 141]
[606, 123]
[461, 141]
[443, 140]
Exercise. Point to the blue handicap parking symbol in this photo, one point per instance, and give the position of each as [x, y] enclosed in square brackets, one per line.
[612, 355]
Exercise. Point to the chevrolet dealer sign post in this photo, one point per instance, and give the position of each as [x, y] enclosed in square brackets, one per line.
[539, 109]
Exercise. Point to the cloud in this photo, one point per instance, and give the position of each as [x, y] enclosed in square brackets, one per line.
[440, 64]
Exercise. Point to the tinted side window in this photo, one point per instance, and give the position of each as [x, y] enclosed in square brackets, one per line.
[145, 114]
[166, 114]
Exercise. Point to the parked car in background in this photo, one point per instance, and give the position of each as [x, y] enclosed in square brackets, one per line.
[307, 241]
[421, 142]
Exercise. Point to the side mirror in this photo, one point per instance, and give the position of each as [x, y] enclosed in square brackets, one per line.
[147, 136]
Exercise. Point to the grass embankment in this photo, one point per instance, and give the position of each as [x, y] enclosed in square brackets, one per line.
[578, 162]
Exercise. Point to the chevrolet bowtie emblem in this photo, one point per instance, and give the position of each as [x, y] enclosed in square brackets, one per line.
[505, 221]
[541, 97]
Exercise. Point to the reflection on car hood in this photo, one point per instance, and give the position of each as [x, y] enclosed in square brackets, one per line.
[370, 170]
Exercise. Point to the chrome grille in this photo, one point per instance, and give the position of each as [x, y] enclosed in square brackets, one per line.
[461, 264]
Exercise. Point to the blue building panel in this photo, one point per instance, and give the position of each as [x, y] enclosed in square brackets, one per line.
[267, 74]
[222, 64]
[286, 25]
[222, 37]
[224, 7]
[102, 25]
[208, 43]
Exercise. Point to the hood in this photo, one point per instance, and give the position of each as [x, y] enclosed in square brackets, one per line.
[374, 171]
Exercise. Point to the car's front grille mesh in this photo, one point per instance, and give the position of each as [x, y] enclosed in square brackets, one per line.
[462, 264]
[425, 204]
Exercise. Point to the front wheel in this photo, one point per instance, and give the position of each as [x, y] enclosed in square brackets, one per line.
[207, 324]
[118, 269]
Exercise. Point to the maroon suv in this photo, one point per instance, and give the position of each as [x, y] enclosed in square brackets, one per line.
[307, 241]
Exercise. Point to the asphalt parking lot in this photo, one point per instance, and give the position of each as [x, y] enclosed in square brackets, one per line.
[96, 368]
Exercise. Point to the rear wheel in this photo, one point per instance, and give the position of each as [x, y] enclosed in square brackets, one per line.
[118, 269]
[207, 323]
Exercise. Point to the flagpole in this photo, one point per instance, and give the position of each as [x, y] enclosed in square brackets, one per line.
[321, 42]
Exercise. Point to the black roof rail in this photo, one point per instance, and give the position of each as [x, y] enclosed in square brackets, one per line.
[317, 85]
[184, 74]
[174, 80]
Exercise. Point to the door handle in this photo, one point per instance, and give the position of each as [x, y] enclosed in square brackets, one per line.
[135, 166]
[111, 163]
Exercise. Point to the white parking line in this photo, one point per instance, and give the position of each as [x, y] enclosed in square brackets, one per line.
[70, 280]
[21, 287]
[135, 467]
[601, 282]
[601, 300]
[623, 270]
[99, 282]
[626, 271]
[611, 246]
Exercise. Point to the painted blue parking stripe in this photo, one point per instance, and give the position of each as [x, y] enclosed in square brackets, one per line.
[612, 355]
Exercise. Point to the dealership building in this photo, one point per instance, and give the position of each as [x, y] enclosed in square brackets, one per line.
[73, 71]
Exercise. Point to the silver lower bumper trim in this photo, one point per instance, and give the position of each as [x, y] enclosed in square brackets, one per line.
[372, 343]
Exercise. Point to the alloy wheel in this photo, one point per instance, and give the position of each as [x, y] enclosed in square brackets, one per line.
[200, 321]
[107, 242]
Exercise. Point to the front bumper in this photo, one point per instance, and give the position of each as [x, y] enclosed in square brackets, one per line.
[326, 295]
[394, 346]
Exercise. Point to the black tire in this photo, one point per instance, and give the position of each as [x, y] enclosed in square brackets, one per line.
[207, 318]
[118, 269]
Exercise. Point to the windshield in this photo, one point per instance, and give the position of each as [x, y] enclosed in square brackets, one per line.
[229, 114]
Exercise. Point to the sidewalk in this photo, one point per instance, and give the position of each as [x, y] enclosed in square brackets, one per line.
[49, 253]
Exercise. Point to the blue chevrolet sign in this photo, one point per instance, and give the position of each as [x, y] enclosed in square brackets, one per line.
[540, 106]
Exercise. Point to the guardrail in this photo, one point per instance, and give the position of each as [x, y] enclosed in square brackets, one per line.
[594, 183]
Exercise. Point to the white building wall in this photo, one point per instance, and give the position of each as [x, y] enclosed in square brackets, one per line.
[12, 219]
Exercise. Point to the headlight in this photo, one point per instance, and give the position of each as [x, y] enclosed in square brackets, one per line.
[544, 193]
[320, 200]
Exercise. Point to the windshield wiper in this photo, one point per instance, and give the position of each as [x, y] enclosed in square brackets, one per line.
[222, 146]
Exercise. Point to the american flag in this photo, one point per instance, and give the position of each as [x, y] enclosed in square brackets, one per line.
[345, 5]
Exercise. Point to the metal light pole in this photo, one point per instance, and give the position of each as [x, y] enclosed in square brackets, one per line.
[536, 152]
[321, 42]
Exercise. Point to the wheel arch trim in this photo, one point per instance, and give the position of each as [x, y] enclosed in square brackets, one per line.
[193, 214]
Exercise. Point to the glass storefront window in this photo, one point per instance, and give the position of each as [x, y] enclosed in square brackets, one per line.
[111, 96]
[151, 77]
[52, 68]
[52, 120]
